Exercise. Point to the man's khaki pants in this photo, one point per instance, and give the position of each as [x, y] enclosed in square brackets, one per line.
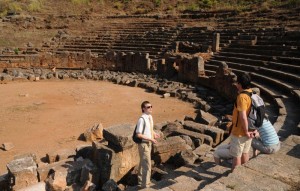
[144, 174]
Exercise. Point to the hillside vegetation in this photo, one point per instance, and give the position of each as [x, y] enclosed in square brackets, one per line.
[137, 6]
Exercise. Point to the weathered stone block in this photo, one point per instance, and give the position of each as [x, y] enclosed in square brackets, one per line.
[40, 186]
[94, 133]
[283, 165]
[23, 171]
[110, 185]
[43, 170]
[214, 132]
[8, 146]
[119, 137]
[89, 172]
[202, 150]
[185, 183]
[65, 153]
[57, 181]
[114, 165]
[171, 144]
[243, 178]
[186, 157]
[194, 136]
[206, 118]
[170, 127]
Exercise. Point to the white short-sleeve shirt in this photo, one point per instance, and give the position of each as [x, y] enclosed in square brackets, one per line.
[140, 125]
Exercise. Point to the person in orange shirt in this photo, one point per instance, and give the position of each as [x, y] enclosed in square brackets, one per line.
[241, 137]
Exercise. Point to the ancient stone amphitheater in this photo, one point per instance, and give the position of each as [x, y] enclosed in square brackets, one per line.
[193, 57]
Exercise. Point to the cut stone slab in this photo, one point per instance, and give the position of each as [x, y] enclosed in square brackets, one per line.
[214, 132]
[171, 127]
[194, 135]
[41, 186]
[186, 157]
[94, 133]
[114, 165]
[283, 165]
[119, 137]
[171, 143]
[44, 170]
[185, 183]
[57, 181]
[163, 150]
[206, 118]
[60, 155]
[23, 171]
[202, 149]
[216, 186]
[245, 179]
[8, 146]
[34, 157]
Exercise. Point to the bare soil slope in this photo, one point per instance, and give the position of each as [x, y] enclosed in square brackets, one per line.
[47, 116]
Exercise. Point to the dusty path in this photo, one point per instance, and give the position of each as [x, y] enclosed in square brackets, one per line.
[45, 116]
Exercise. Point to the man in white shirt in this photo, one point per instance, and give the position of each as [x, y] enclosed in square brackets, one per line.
[145, 131]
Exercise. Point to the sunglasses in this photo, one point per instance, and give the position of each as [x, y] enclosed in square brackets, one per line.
[148, 107]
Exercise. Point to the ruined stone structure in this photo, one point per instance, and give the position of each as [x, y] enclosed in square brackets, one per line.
[169, 50]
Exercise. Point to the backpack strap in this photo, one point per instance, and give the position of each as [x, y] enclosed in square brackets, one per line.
[235, 104]
[143, 126]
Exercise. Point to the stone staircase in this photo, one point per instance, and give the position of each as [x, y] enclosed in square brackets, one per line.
[278, 171]
[274, 68]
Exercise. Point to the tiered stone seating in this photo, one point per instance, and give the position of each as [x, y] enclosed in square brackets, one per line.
[148, 36]
[288, 18]
[274, 69]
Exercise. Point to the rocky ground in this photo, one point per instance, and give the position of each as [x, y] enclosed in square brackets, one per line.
[44, 116]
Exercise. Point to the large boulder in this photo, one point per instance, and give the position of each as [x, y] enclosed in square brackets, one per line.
[23, 171]
[119, 137]
[115, 164]
[165, 149]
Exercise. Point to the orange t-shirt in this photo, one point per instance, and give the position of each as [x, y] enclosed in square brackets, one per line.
[243, 104]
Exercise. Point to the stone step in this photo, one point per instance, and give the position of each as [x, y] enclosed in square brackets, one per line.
[289, 68]
[193, 135]
[279, 171]
[264, 52]
[293, 80]
[285, 125]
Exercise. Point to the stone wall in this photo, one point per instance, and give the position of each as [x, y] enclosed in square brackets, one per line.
[130, 61]
[56, 60]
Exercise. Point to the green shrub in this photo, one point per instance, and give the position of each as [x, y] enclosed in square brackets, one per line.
[193, 7]
[14, 6]
[35, 5]
[118, 5]
[80, 2]
[157, 3]
[293, 3]
[16, 50]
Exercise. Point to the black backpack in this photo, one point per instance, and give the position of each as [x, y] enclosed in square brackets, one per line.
[134, 136]
[257, 111]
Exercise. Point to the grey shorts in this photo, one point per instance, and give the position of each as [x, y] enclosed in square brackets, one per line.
[258, 145]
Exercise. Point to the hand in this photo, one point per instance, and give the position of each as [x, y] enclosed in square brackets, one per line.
[153, 141]
[156, 135]
[249, 134]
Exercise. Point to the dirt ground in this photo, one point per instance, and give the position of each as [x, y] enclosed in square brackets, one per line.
[45, 116]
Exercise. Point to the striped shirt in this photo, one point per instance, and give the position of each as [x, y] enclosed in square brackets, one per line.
[268, 134]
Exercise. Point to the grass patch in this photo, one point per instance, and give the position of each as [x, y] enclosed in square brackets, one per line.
[80, 2]
[35, 5]
[293, 3]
